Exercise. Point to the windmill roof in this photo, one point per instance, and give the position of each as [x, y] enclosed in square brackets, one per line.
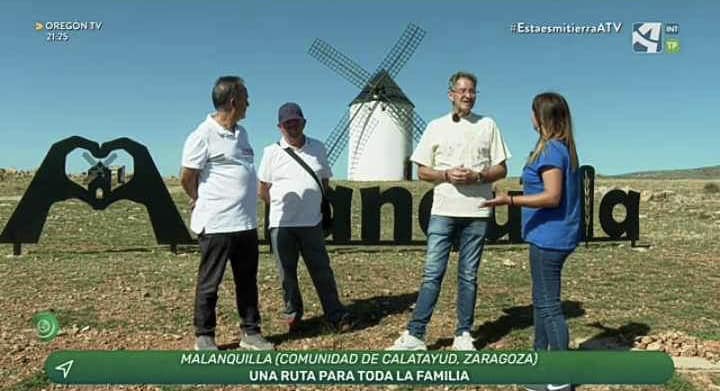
[390, 91]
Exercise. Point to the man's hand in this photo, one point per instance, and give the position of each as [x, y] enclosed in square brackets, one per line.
[455, 175]
[189, 181]
[463, 176]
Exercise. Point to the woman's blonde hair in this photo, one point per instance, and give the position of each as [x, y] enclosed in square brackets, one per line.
[552, 114]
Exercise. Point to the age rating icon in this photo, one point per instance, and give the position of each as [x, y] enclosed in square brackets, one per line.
[672, 46]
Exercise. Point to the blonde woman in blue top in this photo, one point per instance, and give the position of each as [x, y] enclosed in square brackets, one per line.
[550, 216]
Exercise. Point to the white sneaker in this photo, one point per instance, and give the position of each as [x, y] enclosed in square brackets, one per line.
[548, 387]
[561, 387]
[205, 342]
[463, 342]
[408, 342]
[255, 342]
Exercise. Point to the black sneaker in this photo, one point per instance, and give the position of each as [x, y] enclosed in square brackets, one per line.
[293, 324]
[344, 324]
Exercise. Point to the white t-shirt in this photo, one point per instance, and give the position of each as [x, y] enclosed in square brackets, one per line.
[295, 197]
[475, 143]
[227, 189]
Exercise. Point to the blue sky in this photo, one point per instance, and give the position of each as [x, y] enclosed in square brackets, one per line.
[148, 72]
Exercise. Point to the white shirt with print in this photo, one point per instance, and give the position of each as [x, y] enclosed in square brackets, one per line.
[475, 143]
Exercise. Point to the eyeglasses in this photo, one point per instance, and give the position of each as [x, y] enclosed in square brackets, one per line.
[464, 91]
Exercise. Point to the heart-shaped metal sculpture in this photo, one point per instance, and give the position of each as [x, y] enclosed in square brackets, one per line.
[51, 184]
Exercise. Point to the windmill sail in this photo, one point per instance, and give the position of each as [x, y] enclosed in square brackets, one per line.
[381, 123]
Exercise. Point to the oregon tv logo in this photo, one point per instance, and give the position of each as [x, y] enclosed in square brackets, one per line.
[647, 37]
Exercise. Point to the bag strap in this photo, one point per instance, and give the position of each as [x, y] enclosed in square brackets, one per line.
[305, 166]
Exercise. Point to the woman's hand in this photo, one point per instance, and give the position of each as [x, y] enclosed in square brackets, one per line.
[500, 199]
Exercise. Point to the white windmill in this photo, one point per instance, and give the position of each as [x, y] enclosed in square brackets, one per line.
[380, 124]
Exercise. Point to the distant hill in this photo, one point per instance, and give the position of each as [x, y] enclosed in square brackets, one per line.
[711, 172]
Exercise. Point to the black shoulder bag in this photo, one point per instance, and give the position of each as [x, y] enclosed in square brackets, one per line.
[327, 217]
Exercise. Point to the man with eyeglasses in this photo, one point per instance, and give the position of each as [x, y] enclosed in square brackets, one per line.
[218, 174]
[462, 153]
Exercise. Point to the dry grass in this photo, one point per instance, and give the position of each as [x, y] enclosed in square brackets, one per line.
[104, 270]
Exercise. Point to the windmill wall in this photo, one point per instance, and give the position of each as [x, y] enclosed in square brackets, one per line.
[378, 146]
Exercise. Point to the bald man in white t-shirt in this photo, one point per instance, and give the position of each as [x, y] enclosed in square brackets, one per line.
[218, 174]
[462, 153]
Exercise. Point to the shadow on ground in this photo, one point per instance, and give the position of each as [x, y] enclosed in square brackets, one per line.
[621, 338]
[515, 318]
[366, 313]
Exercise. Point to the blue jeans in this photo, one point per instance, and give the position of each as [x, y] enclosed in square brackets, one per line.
[551, 331]
[469, 235]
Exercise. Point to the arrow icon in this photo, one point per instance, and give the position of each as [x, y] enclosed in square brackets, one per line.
[65, 368]
[39, 26]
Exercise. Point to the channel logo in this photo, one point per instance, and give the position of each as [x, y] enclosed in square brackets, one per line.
[647, 37]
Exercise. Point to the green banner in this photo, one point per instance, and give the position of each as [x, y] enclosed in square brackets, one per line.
[358, 367]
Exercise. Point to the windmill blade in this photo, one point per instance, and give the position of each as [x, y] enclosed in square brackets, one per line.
[367, 131]
[89, 158]
[338, 138]
[408, 116]
[340, 63]
[401, 115]
[404, 48]
[404, 117]
[336, 141]
[419, 126]
[107, 162]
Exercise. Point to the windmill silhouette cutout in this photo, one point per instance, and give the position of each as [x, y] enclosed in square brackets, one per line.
[99, 175]
[380, 124]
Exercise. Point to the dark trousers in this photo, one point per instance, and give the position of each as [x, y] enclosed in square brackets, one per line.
[287, 244]
[241, 248]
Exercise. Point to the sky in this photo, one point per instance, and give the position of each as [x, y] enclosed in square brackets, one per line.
[148, 72]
